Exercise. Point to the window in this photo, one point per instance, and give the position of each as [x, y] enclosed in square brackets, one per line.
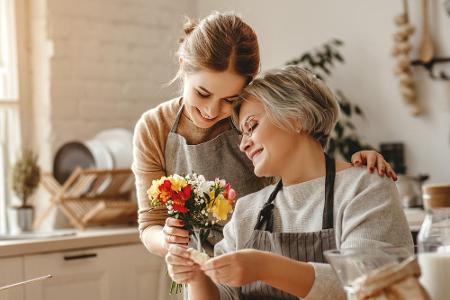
[8, 57]
[9, 103]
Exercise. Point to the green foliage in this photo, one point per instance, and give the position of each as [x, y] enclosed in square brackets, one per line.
[344, 138]
[26, 175]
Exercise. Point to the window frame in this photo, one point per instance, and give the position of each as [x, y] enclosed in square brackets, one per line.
[9, 68]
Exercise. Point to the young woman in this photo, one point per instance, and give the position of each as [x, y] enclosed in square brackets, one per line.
[217, 57]
[273, 246]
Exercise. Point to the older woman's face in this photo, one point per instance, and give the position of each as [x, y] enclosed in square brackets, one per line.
[268, 147]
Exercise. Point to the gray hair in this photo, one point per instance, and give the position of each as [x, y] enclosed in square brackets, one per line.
[293, 95]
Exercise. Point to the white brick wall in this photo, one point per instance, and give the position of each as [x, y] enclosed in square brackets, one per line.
[110, 62]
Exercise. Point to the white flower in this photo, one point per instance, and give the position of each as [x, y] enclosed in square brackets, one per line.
[204, 188]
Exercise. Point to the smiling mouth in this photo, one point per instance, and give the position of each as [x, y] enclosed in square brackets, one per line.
[254, 154]
[206, 117]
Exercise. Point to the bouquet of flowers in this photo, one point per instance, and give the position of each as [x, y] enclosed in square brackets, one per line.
[198, 202]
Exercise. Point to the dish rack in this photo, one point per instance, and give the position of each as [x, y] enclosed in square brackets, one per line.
[92, 197]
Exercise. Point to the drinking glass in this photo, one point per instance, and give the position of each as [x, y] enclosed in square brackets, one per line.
[352, 263]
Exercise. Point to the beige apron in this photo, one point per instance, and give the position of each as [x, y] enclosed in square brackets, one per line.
[301, 246]
[219, 157]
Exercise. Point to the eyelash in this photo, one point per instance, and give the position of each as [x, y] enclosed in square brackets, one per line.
[228, 101]
[253, 125]
[202, 95]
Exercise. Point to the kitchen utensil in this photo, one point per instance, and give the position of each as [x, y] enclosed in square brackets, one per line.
[87, 155]
[119, 142]
[112, 148]
[25, 282]
[426, 49]
[410, 189]
[352, 263]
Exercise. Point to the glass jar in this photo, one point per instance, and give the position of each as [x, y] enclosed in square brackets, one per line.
[434, 242]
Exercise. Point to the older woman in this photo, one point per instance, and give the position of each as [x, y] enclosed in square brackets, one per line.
[273, 246]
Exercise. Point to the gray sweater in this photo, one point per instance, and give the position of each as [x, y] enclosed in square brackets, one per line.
[367, 213]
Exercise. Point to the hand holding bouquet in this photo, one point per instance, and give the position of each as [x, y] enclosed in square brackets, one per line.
[196, 201]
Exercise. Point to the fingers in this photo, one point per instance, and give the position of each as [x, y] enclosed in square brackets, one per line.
[357, 159]
[179, 266]
[178, 261]
[172, 222]
[176, 231]
[217, 262]
[173, 234]
[182, 277]
[381, 165]
[391, 173]
[221, 275]
[179, 250]
[175, 239]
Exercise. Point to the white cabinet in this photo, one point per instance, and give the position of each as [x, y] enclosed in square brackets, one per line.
[120, 272]
[11, 271]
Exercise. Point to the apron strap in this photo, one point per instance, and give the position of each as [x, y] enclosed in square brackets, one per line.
[177, 119]
[328, 207]
[265, 215]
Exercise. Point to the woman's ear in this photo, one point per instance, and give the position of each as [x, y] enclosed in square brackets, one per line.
[298, 126]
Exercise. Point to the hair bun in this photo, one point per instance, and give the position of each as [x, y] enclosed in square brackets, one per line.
[188, 26]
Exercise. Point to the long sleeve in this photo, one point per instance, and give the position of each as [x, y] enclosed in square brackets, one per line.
[228, 244]
[372, 218]
[148, 165]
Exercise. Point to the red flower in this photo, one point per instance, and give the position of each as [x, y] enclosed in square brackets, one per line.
[187, 190]
[165, 186]
[178, 206]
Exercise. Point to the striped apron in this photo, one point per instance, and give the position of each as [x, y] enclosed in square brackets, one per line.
[301, 246]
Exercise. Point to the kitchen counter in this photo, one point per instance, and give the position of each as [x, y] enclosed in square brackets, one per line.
[71, 240]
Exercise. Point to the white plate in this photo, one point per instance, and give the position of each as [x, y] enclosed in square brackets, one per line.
[119, 142]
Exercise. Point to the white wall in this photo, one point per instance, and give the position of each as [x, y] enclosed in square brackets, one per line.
[99, 64]
[287, 28]
[96, 64]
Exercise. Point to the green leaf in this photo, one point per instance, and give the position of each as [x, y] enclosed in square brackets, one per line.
[339, 130]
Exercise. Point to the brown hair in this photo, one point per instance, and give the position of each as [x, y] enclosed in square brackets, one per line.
[218, 42]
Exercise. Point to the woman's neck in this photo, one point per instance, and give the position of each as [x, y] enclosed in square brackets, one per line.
[307, 163]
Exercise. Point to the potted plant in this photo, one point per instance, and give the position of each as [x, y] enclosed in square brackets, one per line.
[26, 175]
[344, 139]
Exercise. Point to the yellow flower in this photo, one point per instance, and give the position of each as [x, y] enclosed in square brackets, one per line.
[153, 191]
[220, 208]
[177, 182]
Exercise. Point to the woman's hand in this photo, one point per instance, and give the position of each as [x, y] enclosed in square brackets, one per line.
[374, 160]
[180, 266]
[234, 269]
[174, 233]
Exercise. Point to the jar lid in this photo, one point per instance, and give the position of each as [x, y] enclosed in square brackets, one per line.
[436, 195]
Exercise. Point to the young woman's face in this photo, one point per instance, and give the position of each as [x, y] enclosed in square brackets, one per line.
[209, 95]
[266, 145]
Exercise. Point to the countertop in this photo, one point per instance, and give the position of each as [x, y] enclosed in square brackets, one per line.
[110, 236]
[70, 240]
